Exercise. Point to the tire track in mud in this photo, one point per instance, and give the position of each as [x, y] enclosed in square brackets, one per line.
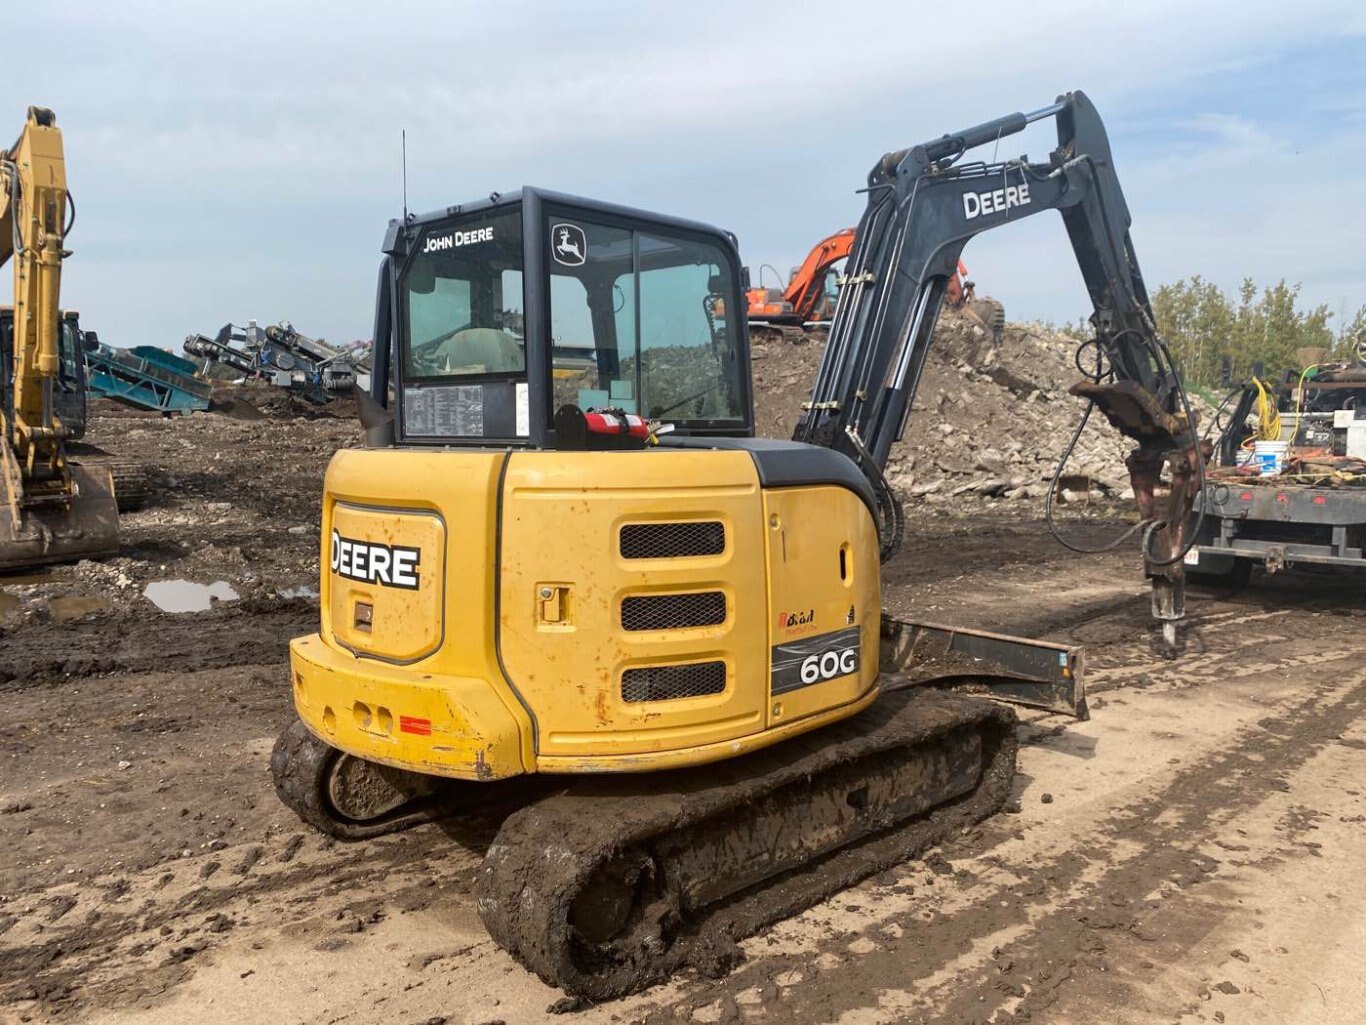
[240, 633]
[123, 937]
[1045, 926]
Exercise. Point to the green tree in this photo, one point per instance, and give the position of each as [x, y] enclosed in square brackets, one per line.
[1351, 341]
[1204, 327]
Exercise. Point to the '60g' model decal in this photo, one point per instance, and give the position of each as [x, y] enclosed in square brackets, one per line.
[814, 660]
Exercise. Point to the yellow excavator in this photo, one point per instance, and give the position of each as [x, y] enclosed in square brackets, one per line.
[52, 509]
[601, 578]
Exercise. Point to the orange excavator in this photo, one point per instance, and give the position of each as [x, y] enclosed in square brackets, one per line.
[813, 288]
[810, 291]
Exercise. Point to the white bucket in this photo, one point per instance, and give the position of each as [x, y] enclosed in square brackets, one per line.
[1269, 456]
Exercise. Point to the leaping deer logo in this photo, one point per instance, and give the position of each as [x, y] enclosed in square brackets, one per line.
[569, 244]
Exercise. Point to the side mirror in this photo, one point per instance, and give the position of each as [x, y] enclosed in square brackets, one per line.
[90, 340]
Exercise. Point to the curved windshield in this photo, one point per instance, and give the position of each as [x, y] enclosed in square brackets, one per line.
[462, 300]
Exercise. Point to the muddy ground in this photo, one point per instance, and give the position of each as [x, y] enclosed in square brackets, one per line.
[1194, 853]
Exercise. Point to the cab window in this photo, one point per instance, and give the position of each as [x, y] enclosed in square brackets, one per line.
[462, 300]
[635, 323]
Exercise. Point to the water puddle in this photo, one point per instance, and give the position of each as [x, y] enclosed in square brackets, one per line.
[187, 596]
[70, 607]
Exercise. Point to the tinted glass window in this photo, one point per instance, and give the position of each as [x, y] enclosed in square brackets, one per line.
[462, 300]
[634, 324]
[592, 316]
[689, 368]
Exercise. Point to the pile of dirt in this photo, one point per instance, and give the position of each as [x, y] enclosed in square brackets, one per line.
[257, 400]
[990, 419]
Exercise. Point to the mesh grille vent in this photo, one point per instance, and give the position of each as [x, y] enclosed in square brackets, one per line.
[663, 683]
[672, 540]
[673, 611]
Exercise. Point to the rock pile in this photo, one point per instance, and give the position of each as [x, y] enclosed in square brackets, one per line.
[990, 419]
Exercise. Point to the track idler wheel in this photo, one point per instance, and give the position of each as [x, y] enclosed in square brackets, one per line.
[622, 913]
[131, 487]
[342, 795]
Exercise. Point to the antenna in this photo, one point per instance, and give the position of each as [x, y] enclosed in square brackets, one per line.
[403, 143]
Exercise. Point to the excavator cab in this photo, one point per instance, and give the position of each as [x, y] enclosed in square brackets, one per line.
[506, 311]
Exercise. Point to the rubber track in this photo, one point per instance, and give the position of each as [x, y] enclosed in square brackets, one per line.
[299, 765]
[545, 852]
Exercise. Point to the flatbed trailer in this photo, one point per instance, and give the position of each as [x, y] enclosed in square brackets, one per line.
[1278, 524]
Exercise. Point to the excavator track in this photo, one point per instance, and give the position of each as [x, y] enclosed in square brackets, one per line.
[617, 882]
[767, 333]
[314, 780]
[349, 798]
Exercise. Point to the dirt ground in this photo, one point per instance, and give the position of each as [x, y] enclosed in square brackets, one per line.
[1193, 853]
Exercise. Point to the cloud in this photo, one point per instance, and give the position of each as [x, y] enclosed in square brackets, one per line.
[1230, 130]
[242, 160]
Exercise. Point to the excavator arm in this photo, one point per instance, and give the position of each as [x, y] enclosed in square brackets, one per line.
[924, 205]
[33, 219]
[807, 286]
[51, 509]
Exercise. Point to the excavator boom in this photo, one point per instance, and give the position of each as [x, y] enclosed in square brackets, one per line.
[923, 208]
[50, 508]
[807, 296]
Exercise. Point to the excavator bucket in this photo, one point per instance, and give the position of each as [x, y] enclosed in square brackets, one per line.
[87, 529]
[989, 314]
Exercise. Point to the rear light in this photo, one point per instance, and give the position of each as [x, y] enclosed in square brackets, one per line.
[1283, 499]
[417, 727]
[1246, 496]
[1320, 500]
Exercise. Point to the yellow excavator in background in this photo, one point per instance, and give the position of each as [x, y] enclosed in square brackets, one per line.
[51, 508]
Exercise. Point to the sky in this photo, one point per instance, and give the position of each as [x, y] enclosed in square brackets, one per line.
[236, 161]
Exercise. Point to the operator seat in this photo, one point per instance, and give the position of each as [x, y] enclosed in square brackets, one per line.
[486, 348]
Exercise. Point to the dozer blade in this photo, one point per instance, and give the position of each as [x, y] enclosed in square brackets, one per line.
[1037, 674]
[88, 529]
[617, 882]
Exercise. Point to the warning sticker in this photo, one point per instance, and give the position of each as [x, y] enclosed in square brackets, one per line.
[444, 412]
[523, 410]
